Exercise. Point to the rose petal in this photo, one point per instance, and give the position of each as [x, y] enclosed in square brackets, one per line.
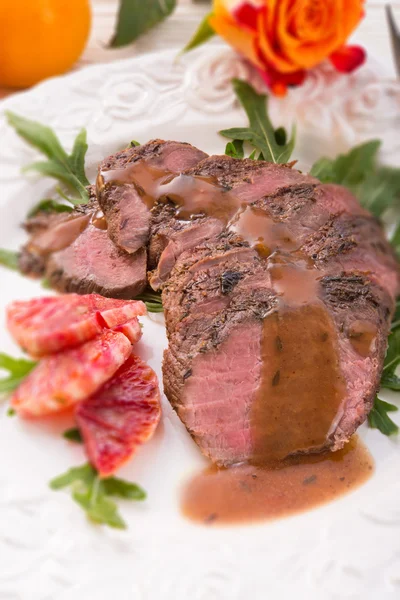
[279, 89]
[240, 38]
[246, 15]
[348, 58]
[279, 82]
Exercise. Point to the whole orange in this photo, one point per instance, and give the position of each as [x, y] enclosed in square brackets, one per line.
[40, 38]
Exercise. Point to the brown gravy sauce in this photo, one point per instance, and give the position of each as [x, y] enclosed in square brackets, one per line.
[192, 195]
[262, 232]
[98, 220]
[301, 387]
[246, 493]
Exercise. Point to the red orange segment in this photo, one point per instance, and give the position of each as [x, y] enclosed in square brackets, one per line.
[46, 325]
[61, 380]
[131, 330]
[121, 416]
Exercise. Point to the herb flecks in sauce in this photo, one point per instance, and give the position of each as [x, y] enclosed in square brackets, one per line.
[301, 385]
[248, 493]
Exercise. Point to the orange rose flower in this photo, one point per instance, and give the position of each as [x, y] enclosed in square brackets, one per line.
[285, 38]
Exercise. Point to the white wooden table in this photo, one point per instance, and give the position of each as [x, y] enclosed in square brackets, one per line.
[176, 30]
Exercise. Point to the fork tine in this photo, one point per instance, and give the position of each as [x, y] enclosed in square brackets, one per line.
[394, 36]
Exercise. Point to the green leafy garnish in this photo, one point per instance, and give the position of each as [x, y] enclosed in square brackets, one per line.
[376, 187]
[253, 155]
[260, 134]
[49, 205]
[134, 143]
[392, 360]
[17, 368]
[235, 149]
[379, 419]
[152, 300]
[9, 259]
[98, 507]
[45, 283]
[396, 316]
[86, 473]
[123, 489]
[347, 169]
[68, 169]
[390, 381]
[135, 17]
[93, 494]
[11, 412]
[202, 34]
[73, 434]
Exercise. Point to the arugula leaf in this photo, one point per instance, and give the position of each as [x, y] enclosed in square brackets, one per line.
[69, 169]
[396, 316]
[395, 239]
[93, 493]
[123, 489]
[77, 158]
[235, 149]
[134, 143]
[392, 360]
[376, 187]
[281, 136]
[390, 381]
[261, 133]
[152, 300]
[203, 33]
[49, 205]
[379, 419]
[9, 259]
[323, 170]
[135, 17]
[18, 369]
[348, 169]
[45, 284]
[98, 507]
[73, 434]
[86, 473]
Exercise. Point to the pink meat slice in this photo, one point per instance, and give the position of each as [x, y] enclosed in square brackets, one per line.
[121, 416]
[46, 325]
[61, 380]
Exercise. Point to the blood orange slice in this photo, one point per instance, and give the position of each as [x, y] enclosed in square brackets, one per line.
[63, 379]
[121, 416]
[131, 330]
[46, 325]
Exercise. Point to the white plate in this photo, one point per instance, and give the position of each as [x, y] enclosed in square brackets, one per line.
[346, 549]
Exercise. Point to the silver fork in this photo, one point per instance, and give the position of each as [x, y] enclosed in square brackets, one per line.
[394, 37]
